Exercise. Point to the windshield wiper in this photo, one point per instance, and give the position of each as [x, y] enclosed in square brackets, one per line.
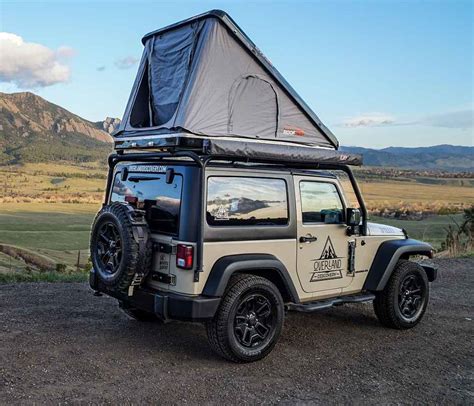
[140, 178]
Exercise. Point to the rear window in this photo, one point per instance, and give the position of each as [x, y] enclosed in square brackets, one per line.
[239, 201]
[162, 201]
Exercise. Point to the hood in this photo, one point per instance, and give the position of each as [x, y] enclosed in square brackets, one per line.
[382, 229]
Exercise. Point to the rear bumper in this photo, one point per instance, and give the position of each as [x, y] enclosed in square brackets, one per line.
[166, 305]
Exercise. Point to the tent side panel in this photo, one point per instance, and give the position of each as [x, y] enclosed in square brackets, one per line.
[220, 63]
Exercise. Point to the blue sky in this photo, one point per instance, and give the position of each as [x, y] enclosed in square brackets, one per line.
[378, 73]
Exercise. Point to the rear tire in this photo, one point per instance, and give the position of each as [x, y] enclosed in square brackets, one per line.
[249, 320]
[402, 304]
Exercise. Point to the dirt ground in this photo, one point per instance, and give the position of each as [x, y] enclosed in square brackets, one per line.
[60, 344]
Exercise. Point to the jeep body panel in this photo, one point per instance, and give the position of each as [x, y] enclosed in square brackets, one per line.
[279, 252]
[256, 264]
[388, 254]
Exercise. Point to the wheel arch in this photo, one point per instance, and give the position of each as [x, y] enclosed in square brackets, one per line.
[387, 256]
[264, 265]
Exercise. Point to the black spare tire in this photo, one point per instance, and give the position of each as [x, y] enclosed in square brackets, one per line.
[120, 246]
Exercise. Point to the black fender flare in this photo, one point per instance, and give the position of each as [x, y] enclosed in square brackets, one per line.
[257, 264]
[388, 254]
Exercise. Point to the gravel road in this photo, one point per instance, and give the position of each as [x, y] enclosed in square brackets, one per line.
[60, 344]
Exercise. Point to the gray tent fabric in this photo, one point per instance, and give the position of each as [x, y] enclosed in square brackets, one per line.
[203, 79]
[253, 101]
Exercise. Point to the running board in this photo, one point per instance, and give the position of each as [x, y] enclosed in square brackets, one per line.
[326, 304]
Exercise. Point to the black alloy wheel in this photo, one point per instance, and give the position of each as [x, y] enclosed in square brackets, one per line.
[109, 247]
[253, 320]
[410, 296]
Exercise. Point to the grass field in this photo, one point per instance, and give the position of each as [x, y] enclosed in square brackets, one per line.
[49, 209]
[431, 229]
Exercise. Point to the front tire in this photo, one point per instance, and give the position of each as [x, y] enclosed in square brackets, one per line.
[249, 320]
[403, 302]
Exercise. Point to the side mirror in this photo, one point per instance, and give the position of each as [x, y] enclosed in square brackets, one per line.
[353, 217]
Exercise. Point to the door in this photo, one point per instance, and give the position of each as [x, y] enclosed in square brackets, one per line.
[322, 249]
[253, 108]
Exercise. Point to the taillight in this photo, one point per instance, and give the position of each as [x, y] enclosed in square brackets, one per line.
[184, 256]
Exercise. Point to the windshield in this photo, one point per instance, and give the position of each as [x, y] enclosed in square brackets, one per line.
[162, 201]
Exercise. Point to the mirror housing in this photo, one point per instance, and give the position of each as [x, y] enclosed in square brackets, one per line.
[353, 217]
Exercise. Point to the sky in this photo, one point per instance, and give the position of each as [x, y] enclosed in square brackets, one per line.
[377, 73]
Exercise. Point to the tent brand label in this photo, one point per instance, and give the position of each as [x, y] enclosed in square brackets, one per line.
[328, 266]
[293, 131]
[147, 168]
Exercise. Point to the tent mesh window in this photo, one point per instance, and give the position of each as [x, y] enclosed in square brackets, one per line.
[169, 59]
[140, 114]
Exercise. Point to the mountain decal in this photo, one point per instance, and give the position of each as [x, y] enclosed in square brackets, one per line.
[328, 250]
[328, 266]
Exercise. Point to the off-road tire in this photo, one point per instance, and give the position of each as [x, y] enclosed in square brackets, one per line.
[220, 330]
[386, 303]
[135, 257]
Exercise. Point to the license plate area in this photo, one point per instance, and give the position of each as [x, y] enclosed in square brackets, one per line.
[162, 266]
[164, 278]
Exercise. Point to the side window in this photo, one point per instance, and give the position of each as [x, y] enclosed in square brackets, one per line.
[233, 201]
[320, 203]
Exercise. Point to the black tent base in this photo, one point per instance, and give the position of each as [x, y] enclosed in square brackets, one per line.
[238, 148]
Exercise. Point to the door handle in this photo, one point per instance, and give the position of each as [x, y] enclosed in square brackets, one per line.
[307, 239]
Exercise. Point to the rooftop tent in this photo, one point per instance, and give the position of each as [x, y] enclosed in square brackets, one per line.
[204, 77]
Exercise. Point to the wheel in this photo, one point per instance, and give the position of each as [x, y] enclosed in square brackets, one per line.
[249, 320]
[403, 302]
[115, 253]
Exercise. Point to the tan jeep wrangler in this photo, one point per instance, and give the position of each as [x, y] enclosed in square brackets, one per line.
[224, 204]
[269, 238]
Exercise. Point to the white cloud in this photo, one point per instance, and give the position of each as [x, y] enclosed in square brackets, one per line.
[463, 119]
[27, 64]
[369, 120]
[458, 119]
[126, 63]
[65, 52]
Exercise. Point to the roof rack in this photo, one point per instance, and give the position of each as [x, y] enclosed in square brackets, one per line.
[239, 148]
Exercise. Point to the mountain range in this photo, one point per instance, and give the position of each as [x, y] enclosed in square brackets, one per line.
[450, 158]
[33, 129]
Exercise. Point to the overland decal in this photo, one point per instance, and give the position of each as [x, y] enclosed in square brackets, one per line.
[328, 266]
